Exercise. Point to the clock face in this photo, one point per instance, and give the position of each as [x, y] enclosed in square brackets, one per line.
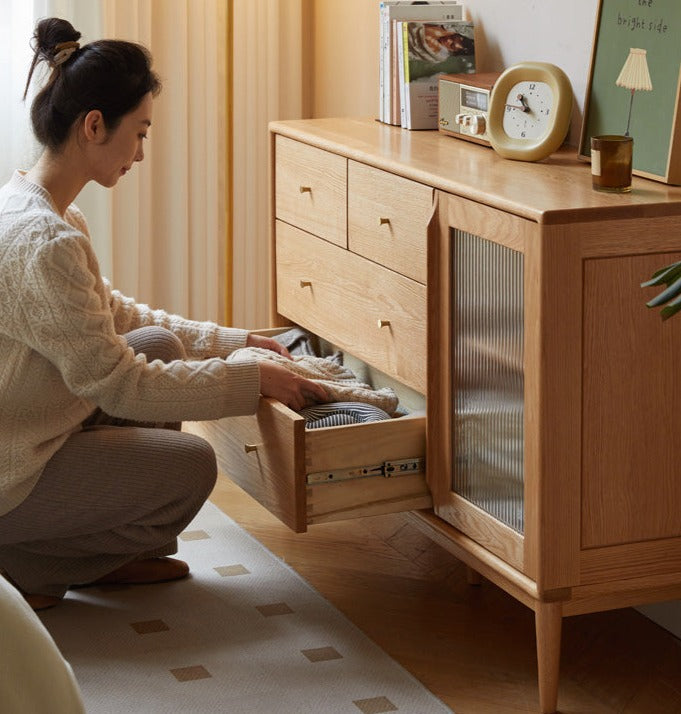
[528, 109]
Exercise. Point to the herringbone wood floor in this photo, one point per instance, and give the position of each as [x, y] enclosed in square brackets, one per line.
[473, 647]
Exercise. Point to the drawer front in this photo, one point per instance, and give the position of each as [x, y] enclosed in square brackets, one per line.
[270, 456]
[387, 219]
[311, 190]
[367, 310]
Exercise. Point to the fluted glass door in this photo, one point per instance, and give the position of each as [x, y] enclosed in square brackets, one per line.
[488, 377]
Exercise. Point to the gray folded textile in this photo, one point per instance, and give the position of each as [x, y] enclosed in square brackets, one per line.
[297, 341]
[300, 342]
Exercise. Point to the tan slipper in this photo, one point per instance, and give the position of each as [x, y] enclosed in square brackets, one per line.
[145, 572]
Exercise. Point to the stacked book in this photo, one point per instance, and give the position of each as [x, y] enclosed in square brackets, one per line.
[418, 42]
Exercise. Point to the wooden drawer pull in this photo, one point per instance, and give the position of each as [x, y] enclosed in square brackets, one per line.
[305, 283]
[306, 189]
[384, 323]
[383, 221]
[250, 447]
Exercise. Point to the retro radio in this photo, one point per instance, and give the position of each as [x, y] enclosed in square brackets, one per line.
[463, 105]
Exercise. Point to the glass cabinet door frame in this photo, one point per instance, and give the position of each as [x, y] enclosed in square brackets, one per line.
[547, 551]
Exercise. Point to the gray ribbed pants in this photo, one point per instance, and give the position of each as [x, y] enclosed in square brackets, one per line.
[115, 492]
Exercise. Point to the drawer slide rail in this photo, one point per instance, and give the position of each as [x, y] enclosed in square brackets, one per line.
[387, 469]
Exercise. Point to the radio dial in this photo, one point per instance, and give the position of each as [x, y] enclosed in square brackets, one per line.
[478, 125]
[475, 123]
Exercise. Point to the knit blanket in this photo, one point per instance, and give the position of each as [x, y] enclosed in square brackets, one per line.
[340, 383]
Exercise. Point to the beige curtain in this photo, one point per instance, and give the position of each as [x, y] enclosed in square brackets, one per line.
[271, 44]
[18, 148]
[188, 229]
[168, 218]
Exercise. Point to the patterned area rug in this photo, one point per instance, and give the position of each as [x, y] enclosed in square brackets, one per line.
[244, 634]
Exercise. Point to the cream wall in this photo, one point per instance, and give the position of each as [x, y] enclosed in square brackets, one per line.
[345, 68]
[344, 73]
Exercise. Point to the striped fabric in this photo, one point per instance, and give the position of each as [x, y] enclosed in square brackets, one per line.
[341, 414]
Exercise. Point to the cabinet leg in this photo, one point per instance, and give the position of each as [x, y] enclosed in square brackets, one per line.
[548, 622]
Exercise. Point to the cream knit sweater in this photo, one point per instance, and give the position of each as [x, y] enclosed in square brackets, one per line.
[61, 350]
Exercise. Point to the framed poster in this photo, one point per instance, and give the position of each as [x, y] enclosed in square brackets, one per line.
[655, 124]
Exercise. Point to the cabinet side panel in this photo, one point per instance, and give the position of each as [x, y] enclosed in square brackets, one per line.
[632, 391]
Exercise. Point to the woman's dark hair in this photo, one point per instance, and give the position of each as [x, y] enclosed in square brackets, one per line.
[109, 75]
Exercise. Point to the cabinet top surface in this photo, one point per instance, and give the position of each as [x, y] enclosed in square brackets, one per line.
[556, 190]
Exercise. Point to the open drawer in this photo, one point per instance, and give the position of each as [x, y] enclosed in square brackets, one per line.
[309, 476]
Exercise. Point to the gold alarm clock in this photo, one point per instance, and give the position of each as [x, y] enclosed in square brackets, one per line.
[529, 111]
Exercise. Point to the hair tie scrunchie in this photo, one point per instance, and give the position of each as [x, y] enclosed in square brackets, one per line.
[63, 51]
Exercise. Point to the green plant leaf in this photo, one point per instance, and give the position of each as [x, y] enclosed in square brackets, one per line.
[671, 309]
[664, 276]
[666, 295]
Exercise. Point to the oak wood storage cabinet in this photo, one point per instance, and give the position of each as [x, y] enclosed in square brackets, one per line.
[553, 447]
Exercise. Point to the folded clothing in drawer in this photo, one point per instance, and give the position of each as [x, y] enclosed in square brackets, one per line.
[341, 414]
[340, 383]
[301, 342]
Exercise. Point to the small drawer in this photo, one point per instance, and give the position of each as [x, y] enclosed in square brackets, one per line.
[305, 477]
[387, 219]
[367, 310]
[311, 190]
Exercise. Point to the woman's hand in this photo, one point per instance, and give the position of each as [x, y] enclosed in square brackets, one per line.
[267, 343]
[292, 390]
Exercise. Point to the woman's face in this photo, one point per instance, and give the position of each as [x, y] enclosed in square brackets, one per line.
[123, 146]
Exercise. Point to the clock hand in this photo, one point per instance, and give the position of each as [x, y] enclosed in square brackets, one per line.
[523, 107]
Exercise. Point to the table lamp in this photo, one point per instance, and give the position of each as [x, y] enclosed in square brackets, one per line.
[634, 76]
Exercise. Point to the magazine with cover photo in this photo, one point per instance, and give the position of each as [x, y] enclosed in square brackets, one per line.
[392, 11]
[430, 49]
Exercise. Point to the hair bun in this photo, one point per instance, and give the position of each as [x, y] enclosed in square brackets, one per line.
[50, 33]
[54, 41]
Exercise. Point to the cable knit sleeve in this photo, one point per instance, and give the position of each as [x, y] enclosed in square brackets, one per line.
[200, 339]
[68, 315]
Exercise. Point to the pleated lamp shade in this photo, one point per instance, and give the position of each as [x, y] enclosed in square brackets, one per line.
[634, 74]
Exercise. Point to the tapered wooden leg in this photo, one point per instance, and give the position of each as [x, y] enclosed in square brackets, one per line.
[548, 622]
